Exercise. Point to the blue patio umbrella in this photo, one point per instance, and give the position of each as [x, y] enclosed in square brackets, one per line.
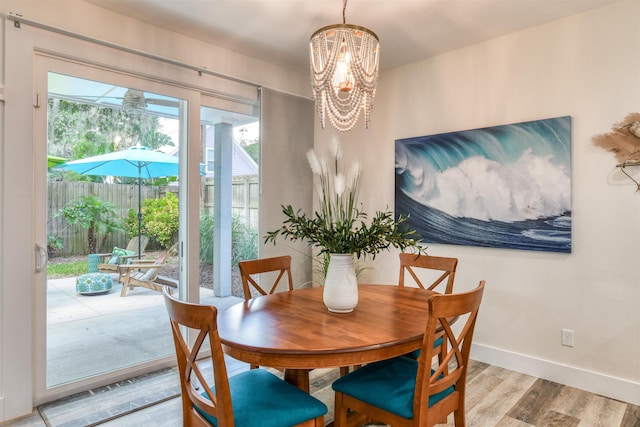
[135, 162]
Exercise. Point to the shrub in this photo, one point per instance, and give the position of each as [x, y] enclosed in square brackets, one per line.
[159, 220]
[54, 245]
[244, 240]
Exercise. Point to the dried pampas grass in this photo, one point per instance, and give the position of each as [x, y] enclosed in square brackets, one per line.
[623, 140]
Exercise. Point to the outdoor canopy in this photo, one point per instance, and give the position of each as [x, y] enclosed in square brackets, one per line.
[135, 162]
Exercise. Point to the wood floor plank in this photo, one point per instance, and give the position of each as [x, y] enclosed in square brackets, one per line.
[507, 421]
[496, 401]
[533, 406]
[631, 416]
[603, 411]
[556, 419]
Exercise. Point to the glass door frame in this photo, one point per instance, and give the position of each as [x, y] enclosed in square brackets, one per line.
[188, 211]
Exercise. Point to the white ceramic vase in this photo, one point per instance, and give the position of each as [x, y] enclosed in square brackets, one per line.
[340, 286]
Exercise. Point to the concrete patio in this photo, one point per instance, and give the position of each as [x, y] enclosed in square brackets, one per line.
[94, 334]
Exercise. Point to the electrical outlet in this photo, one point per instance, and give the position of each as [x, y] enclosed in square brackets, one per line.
[567, 337]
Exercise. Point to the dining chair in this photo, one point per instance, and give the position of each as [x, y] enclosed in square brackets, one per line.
[415, 265]
[405, 392]
[447, 267]
[254, 271]
[254, 398]
[264, 269]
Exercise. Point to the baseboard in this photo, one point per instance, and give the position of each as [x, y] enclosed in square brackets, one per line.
[594, 382]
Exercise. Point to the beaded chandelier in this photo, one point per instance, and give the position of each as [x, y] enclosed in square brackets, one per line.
[344, 72]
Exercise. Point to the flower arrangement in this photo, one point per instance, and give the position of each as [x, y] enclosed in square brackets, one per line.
[340, 226]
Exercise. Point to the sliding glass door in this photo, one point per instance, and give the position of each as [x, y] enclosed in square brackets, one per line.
[109, 203]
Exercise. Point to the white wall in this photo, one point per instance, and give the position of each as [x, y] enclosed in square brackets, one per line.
[586, 66]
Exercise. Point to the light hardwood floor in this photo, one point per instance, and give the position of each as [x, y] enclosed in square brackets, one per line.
[495, 397]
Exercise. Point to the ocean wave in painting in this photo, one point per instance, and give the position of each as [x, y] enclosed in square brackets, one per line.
[505, 186]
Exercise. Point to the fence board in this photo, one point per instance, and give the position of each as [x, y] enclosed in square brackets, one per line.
[125, 197]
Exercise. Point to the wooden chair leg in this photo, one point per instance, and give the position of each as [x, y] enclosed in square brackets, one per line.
[123, 292]
[340, 412]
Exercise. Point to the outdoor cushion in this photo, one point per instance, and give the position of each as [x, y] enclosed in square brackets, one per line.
[149, 274]
[117, 253]
[93, 283]
[388, 384]
[260, 399]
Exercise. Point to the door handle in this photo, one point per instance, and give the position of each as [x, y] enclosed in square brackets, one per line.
[41, 258]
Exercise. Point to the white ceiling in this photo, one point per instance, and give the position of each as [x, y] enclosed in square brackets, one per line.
[278, 30]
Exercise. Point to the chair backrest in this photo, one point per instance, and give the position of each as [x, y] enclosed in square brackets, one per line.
[447, 266]
[152, 269]
[132, 246]
[253, 271]
[193, 382]
[451, 371]
[166, 254]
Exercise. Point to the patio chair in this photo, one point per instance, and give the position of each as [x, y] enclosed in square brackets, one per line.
[252, 398]
[111, 262]
[404, 392]
[144, 273]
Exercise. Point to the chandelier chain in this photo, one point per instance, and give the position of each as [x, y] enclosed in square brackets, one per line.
[344, 11]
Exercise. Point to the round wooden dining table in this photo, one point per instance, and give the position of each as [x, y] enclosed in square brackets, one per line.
[294, 331]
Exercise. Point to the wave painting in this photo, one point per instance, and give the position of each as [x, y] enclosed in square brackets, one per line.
[505, 186]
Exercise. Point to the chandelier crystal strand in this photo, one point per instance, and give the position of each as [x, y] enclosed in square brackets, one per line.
[344, 72]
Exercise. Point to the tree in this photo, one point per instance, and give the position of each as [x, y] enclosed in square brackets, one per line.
[96, 216]
[78, 130]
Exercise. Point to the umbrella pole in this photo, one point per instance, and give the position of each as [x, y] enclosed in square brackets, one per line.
[139, 213]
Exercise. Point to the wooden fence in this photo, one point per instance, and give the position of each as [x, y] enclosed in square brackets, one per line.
[125, 197]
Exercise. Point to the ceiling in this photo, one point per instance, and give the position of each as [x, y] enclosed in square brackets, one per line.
[409, 30]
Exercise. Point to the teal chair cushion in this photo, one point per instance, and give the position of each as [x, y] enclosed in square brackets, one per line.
[388, 385]
[260, 399]
[415, 354]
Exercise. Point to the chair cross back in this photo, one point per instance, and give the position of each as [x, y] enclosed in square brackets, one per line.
[448, 266]
[251, 269]
[451, 371]
[404, 392]
[240, 400]
[203, 319]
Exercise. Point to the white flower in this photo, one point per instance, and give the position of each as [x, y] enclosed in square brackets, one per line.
[336, 148]
[339, 184]
[313, 162]
[354, 173]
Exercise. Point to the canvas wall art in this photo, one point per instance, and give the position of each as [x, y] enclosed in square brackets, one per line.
[505, 186]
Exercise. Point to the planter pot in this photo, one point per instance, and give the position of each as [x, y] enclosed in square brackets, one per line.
[340, 293]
